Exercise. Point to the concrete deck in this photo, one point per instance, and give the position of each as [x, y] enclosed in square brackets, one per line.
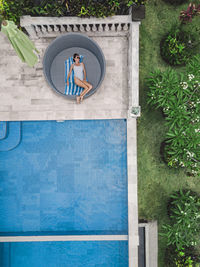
[25, 95]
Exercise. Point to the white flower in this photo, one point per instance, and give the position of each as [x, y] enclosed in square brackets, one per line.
[158, 85]
[190, 76]
[184, 85]
[197, 130]
[189, 154]
[182, 164]
[166, 109]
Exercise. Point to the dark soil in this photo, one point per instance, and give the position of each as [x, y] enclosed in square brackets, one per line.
[175, 2]
[162, 151]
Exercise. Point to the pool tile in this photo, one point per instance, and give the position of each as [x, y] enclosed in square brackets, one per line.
[69, 175]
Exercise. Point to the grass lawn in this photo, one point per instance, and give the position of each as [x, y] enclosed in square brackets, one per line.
[156, 181]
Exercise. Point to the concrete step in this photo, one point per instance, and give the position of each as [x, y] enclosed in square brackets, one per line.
[13, 137]
[3, 129]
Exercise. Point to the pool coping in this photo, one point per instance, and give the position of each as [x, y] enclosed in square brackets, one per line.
[132, 192]
[64, 238]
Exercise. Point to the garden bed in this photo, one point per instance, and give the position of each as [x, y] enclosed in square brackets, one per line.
[92, 8]
[156, 180]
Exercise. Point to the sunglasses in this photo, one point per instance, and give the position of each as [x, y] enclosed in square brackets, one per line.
[78, 57]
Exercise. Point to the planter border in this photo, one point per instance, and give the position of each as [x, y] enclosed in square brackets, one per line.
[54, 26]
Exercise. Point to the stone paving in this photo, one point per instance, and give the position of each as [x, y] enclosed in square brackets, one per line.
[25, 94]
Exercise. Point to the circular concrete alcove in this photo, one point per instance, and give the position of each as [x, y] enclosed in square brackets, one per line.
[64, 47]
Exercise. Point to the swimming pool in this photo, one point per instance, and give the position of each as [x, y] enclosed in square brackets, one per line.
[64, 254]
[65, 177]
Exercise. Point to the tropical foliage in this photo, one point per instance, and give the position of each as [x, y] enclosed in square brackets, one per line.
[188, 14]
[182, 41]
[178, 46]
[12, 10]
[183, 231]
[178, 96]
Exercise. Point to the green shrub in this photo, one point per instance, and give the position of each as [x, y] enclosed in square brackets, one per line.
[188, 14]
[184, 229]
[49, 8]
[94, 8]
[178, 46]
[192, 28]
[12, 10]
[183, 205]
[178, 95]
[186, 257]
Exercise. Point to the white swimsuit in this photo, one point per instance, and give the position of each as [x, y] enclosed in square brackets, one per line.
[78, 72]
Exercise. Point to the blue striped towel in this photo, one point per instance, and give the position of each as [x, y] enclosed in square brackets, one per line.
[72, 89]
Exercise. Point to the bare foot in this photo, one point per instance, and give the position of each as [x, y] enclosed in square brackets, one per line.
[78, 99]
[81, 98]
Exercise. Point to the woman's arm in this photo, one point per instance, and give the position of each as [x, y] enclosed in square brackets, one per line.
[84, 71]
[70, 71]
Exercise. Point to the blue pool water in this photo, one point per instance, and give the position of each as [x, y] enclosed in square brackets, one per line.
[68, 177]
[64, 254]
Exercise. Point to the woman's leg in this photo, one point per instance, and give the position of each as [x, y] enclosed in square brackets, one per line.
[86, 90]
[81, 84]
[88, 84]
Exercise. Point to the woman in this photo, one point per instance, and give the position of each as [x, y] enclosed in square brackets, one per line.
[79, 77]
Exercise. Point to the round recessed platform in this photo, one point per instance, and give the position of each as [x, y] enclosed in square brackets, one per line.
[64, 47]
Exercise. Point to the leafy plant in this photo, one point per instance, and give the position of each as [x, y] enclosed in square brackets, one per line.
[98, 8]
[136, 2]
[184, 229]
[177, 46]
[193, 30]
[178, 95]
[46, 8]
[185, 257]
[12, 10]
[188, 14]
[135, 111]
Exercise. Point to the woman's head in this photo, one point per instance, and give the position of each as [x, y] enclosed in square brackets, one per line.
[76, 57]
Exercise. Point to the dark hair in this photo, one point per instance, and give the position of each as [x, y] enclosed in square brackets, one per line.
[75, 55]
